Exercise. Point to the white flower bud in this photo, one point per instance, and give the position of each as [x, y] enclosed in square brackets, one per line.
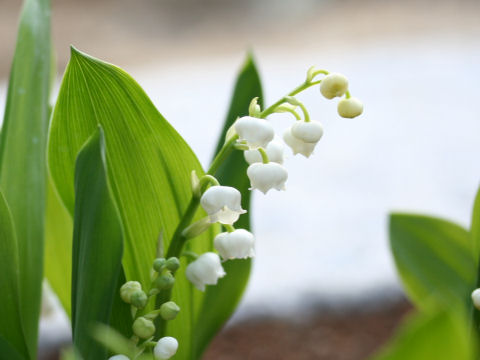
[166, 347]
[350, 108]
[256, 132]
[118, 357]
[205, 270]
[334, 85]
[222, 204]
[267, 176]
[237, 244]
[297, 145]
[309, 132]
[476, 298]
[274, 151]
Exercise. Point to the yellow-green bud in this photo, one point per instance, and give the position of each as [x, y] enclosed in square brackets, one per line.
[164, 282]
[143, 328]
[173, 264]
[334, 85]
[139, 299]
[350, 108]
[128, 289]
[169, 310]
[158, 264]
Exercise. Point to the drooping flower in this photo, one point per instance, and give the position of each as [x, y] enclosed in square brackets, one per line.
[298, 146]
[274, 151]
[222, 204]
[205, 270]
[267, 176]
[166, 347]
[256, 132]
[238, 244]
[350, 108]
[309, 132]
[334, 85]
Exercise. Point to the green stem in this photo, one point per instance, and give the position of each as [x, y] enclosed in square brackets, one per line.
[347, 95]
[297, 90]
[305, 112]
[229, 228]
[264, 155]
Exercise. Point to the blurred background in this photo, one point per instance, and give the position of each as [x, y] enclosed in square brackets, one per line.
[323, 284]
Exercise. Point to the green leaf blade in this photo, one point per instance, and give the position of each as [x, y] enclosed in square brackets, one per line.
[439, 335]
[434, 259]
[97, 253]
[22, 154]
[12, 338]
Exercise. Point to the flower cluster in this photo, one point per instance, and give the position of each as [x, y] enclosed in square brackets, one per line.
[264, 152]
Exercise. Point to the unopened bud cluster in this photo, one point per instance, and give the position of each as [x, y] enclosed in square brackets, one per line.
[143, 327]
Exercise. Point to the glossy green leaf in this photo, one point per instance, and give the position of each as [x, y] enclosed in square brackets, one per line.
[149, 167]
[97, 252]
[434, 259]
[22, 154]
[225, 296]
[12, 339]
[438, 335]
[58, 248]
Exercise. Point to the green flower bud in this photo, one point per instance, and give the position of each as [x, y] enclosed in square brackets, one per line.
[169, 310]
[173, 264]
[143, 328]
[164, 282]
[128, 289]
[139, 299]
[350, 108]
[158, 264]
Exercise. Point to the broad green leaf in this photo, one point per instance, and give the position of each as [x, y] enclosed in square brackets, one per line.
[97, 252]
[12, 339]
[434, 259]
[22, 154]
[149, 167]
[225, 296]
[438, 335]
[58, 248]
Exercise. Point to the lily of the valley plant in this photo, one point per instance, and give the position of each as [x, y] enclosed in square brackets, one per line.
[148, 253]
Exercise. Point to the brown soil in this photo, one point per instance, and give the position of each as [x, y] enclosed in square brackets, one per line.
[346, 335]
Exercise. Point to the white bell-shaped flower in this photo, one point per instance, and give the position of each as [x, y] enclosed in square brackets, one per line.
[237, 244]
[334, 85]
[476, 298]
[256, 132]
[309, 132]
[274, 151]
[118, 357]
[267, 176]
[222, 204]
[350, 108]
[166, 347]
[205, 270]
[298, 146]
